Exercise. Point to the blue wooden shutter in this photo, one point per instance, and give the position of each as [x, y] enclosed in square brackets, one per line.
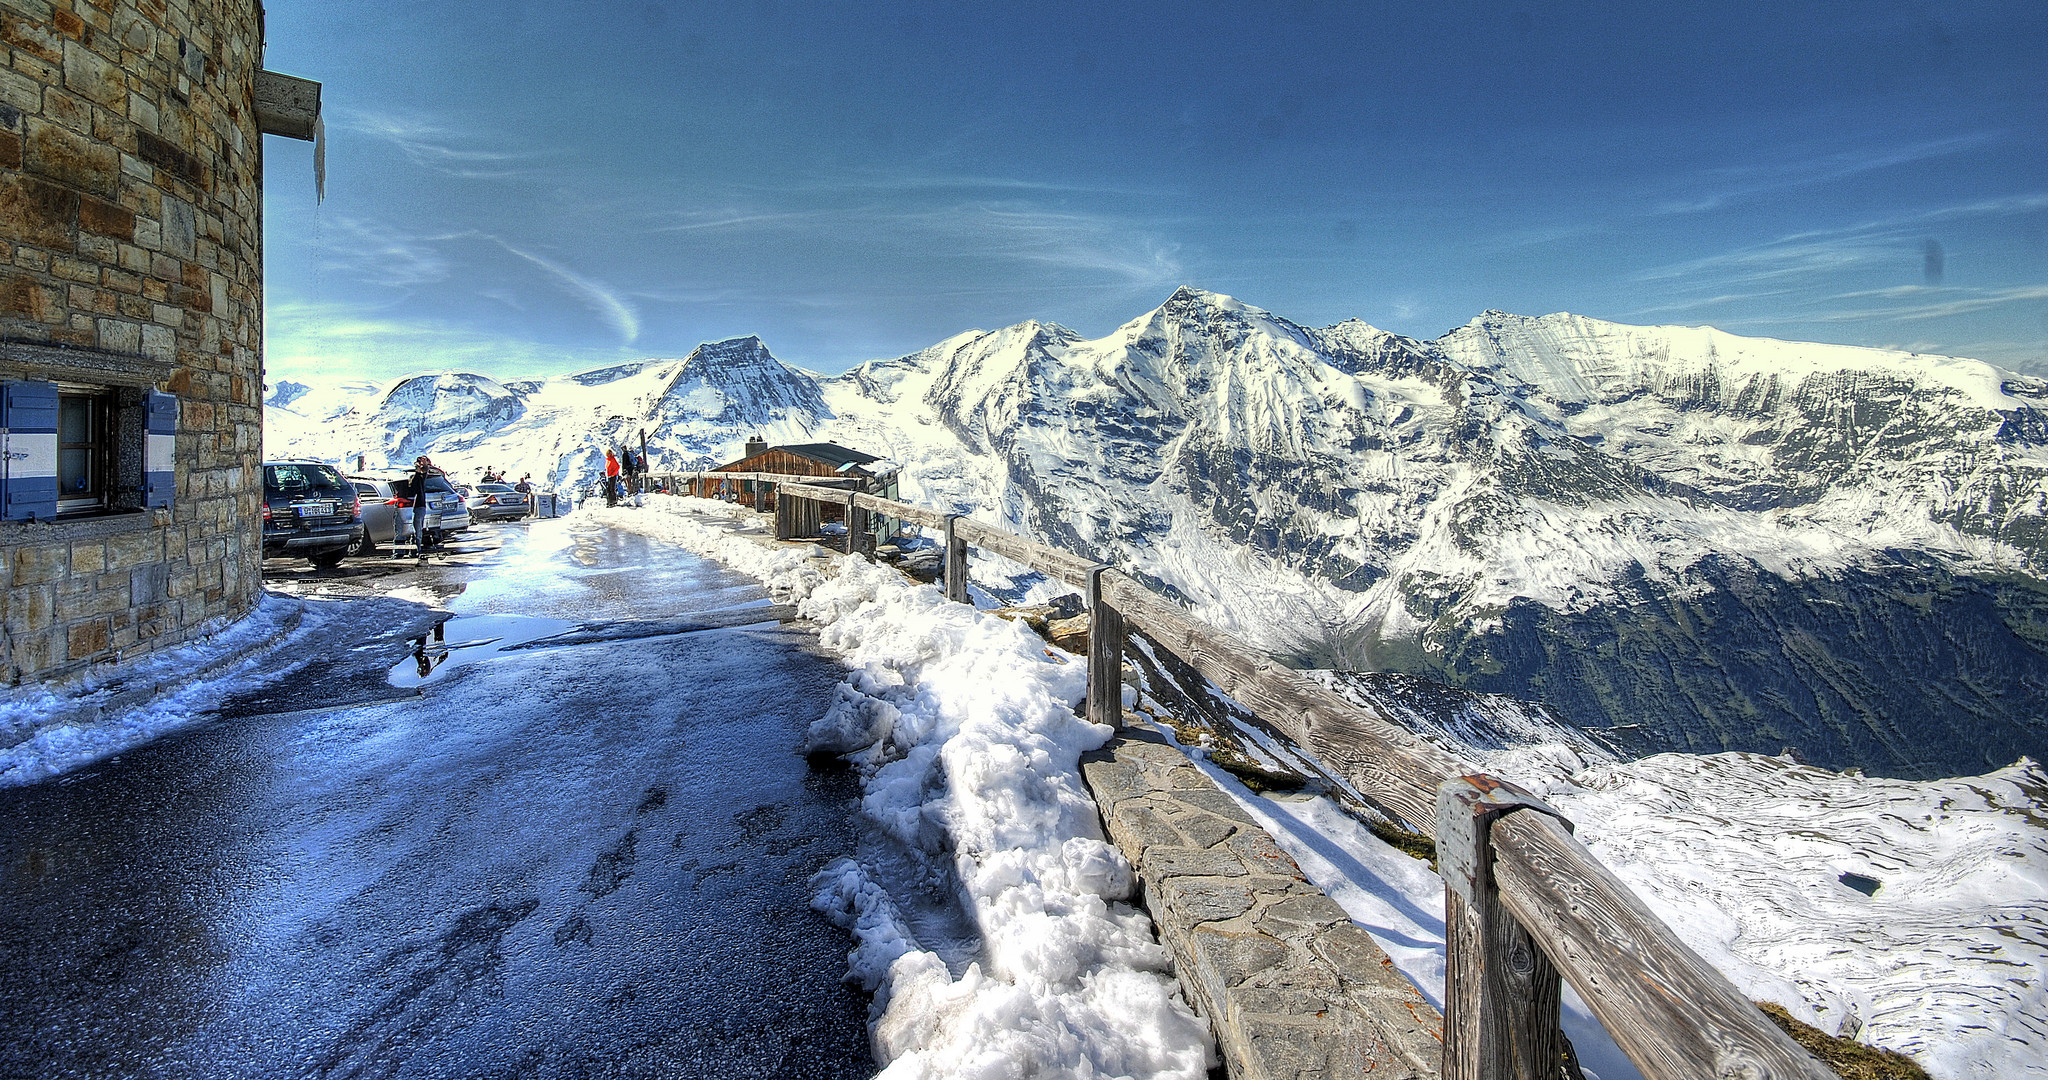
[159, 468]
[28, 483]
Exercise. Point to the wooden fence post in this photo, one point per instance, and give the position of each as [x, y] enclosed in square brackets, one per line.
[956, 563]
[1105, 655]
[852, 535]
[785, 515]
[1501, 993]
[760, 495]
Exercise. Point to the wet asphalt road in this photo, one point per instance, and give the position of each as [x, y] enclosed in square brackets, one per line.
[563, 860]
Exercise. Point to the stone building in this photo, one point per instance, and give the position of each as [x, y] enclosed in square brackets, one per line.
[131, 321]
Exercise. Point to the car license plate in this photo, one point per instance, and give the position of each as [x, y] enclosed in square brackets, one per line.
[314, 509]
[437, 502]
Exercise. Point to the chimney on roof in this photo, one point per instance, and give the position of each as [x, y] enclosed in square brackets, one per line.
[756, 445]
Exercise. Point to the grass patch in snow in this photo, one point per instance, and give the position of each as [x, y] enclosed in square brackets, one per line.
[1413, 844]
[1851, 1060]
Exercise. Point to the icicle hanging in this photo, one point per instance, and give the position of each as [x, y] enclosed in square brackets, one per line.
[319, 158]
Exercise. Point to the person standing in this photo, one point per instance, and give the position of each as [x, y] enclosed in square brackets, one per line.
[611, 478]
[525, 487]
[423, 472]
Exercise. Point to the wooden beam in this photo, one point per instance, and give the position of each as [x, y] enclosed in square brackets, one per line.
[1501, 993]
[956, 563]
[1674, 1015]
[1049, 561]
[286, 105]
[1105, 655]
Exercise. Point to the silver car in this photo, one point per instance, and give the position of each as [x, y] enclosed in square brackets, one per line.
[388, 509]
[496, 502]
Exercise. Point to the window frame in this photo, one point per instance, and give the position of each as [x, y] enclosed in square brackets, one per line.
[103, 448]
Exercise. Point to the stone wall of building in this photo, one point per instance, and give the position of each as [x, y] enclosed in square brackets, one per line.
[131, 259]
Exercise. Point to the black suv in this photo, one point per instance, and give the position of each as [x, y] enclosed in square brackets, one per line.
[309, 510]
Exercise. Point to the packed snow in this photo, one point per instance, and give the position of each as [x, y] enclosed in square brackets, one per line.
[48, 731]
[962, 726]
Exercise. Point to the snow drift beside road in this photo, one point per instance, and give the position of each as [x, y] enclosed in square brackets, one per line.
[46, 734]
[963, 727]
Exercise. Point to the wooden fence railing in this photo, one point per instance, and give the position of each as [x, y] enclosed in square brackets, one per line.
[1524, 901]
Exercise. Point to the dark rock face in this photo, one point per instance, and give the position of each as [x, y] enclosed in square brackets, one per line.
[1911, 671]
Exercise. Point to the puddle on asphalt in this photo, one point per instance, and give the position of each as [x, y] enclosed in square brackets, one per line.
[467, 639]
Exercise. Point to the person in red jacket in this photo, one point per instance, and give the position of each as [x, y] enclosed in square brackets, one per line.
[611, 478]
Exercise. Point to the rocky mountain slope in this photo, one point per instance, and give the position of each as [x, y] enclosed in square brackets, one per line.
[1679, 538]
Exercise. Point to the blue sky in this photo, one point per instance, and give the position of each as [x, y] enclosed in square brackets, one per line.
[523, 188]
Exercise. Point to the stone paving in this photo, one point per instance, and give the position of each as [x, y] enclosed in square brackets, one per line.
[1291, 986]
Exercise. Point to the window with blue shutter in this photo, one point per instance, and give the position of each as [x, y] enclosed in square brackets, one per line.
[28, 481]
[160, 477]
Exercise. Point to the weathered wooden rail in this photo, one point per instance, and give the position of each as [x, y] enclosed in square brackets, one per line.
[1525, 902]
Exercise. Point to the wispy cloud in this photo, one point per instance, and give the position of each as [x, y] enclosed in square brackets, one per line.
[1738, 184]
[379, 253]
[1117, 251]
[710, 220]
[1942, 302]
[1819, 251]
[601, 298]
[435, 146]
[1704, 302]
[960, 182]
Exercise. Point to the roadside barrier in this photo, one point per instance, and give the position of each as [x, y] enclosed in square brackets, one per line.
[1525, 902]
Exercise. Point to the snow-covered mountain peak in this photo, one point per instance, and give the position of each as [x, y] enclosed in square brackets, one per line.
[740, 352]
[1577, 359]
[451, 398]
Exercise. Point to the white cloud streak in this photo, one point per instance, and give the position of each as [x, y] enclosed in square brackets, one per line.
[441, 149]
[1820, 169]
[1119, 252]
[1818, 251]
[601, 298]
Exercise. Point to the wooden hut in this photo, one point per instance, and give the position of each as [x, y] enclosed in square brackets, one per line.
[826, 461]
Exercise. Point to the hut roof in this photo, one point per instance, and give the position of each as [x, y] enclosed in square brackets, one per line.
[831, 454]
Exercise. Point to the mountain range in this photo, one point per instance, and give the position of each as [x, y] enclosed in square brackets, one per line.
[1673, 537]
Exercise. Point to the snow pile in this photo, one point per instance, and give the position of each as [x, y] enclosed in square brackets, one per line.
[48, 733]
[963, 728]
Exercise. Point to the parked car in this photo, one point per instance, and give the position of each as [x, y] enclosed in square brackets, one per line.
[388, 505]
[492, 502]
[309, 510]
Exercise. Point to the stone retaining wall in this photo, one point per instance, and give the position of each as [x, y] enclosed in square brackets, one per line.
[1291, 987]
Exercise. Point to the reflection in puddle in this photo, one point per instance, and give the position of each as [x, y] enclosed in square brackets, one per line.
[465, 640]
